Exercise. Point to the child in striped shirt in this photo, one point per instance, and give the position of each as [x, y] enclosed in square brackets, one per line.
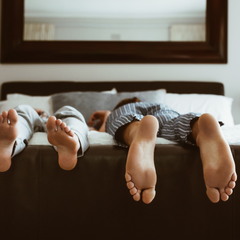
[137, 124]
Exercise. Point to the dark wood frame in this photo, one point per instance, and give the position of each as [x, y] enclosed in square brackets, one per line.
[46, 88]
[15, 50]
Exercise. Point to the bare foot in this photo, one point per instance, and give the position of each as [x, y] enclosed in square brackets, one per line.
[8, 134]
[65, 140]
[218, 164]
[140, 169]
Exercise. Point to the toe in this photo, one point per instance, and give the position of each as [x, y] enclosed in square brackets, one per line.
[63, 125]
[71, 133]
[12, 116]
[58, 122]
[133, 191]
[213, 194]
[130, 185]
[232, 184]
[224, 196]
[51, 124]
[228, 191]
[67, 129]
[148, 195]
[137, 196]
[128, 177]
[4, 114]
[1, 119]
[234, 177]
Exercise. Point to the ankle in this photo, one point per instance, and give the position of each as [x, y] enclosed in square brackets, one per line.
[131, 132]
[206, 126]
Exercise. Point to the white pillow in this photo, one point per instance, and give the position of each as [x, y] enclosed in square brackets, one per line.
[41, 102]
[219, 106]
[113, 91]
[8, 104]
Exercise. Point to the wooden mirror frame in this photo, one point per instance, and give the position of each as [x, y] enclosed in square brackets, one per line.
[15, 50]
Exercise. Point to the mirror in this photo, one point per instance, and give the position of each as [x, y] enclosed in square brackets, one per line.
[15, 50]
[119, 20]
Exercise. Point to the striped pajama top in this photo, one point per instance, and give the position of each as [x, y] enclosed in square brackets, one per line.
[172, 125]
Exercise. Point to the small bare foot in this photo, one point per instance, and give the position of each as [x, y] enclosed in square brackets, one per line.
[218, 164]
[65, 140]
[8, 134]
[140, 169]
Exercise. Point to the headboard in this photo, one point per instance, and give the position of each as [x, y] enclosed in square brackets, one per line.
[51, 87]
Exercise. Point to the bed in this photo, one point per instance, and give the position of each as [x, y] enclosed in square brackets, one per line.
[39, 200]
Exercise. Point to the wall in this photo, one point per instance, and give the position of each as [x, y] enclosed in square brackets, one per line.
[228, 74]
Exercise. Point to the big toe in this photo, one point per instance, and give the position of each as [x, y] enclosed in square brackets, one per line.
[51, 124]
[12, 116]
[148, 195]
[213, 194]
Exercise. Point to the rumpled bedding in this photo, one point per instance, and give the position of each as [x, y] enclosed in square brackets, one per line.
[231, 134]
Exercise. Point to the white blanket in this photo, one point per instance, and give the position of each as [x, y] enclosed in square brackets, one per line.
[231, 133]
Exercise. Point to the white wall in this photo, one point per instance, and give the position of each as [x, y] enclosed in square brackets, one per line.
[228, 74]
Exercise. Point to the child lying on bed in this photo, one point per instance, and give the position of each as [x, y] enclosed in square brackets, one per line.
[66, 130]
[137, 124]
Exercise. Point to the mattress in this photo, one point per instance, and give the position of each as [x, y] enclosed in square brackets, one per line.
[231, 134]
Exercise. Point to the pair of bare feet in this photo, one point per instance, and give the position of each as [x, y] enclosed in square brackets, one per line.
[218, 164]
[59, 135]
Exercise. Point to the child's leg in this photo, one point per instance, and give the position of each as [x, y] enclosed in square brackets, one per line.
[218, 164]
[140, 169]
[16, 132]
[67, 132]
[8, 134]
[28, 123]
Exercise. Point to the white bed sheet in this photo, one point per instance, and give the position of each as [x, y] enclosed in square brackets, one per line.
[231, 133]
